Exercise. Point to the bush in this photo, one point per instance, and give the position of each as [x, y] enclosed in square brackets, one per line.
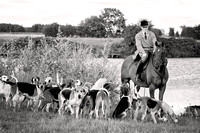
[181, 47]
[50, 30]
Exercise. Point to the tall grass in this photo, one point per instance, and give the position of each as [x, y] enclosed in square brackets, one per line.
[71, 60]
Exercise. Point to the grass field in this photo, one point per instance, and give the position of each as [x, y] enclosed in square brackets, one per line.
[182, 89]
[13, 35]
[96, 41]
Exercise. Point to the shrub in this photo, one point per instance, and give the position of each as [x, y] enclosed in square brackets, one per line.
[50, 30]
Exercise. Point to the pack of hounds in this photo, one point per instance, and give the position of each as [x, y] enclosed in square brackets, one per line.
[82, 100]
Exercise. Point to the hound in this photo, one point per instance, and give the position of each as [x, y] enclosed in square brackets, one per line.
[24, 90]
[97, 97]
[30, 91]
[50, 95]
[5, 88]
[71, 97]
[124, 104]
[99, 84]
[35, 80]
[147, 104]
[122, 107]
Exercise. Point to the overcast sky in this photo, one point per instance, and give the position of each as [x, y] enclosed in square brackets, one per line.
[162, 13]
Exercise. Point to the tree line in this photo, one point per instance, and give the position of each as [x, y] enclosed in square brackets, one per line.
[110, 23]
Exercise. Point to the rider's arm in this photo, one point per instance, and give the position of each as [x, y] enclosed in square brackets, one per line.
[139, 44]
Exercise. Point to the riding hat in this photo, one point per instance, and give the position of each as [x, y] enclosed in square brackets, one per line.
[144, 22]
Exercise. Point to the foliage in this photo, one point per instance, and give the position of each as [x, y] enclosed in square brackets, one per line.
[191, 32]
[36, 28]
[181, 47]
[114, 21]
[72, 60]
[171, 32]
[157, 32]
[50, 30]
[129, 34]
[177, 34]
[92, 27]
[68, 30]
[11, 28]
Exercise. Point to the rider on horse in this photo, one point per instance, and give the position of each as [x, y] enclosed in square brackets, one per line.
[145, 43]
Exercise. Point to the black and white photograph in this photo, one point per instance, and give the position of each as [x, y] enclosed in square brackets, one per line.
[103, 66]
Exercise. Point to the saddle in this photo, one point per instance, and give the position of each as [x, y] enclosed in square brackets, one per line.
[140, 66]
[137, 58]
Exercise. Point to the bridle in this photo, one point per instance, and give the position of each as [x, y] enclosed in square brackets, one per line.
[160, 63]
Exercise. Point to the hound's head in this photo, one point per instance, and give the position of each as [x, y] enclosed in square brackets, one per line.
[41, 86]
[125, 90]
[78, 83]
[4, 78]
[48, 80]
[167, 117]
[80, 92]
[35, 80]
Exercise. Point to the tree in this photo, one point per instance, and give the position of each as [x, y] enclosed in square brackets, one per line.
[177, 34]
[37, 28]
[68, 30]
[50, 30]
[171, 32]
[196, 32]
[129, 37]
[11, 28]
[157, 32]
[114, 21]
[93, 27]
[189, 32]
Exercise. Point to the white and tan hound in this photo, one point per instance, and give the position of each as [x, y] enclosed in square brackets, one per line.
[147, 104]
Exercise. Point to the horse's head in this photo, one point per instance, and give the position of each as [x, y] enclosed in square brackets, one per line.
[159, 55]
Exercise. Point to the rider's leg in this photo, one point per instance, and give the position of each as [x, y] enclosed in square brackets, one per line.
[139, 70]
[140, 65]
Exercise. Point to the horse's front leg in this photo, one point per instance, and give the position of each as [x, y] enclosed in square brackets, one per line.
[136, 90]
[162, 91]
[152, 89]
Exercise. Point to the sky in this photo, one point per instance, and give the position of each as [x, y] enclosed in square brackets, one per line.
[164, 14]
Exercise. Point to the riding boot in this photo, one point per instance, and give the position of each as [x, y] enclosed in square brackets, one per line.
[139, 70]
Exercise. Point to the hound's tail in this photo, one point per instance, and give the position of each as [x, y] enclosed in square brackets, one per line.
[13, 76]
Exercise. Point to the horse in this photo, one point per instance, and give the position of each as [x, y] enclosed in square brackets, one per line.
[154, 75]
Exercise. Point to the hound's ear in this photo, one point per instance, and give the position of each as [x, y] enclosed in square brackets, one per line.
[162, 44]
[38, 78]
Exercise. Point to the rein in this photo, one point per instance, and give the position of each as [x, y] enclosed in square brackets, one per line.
[161, 68]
